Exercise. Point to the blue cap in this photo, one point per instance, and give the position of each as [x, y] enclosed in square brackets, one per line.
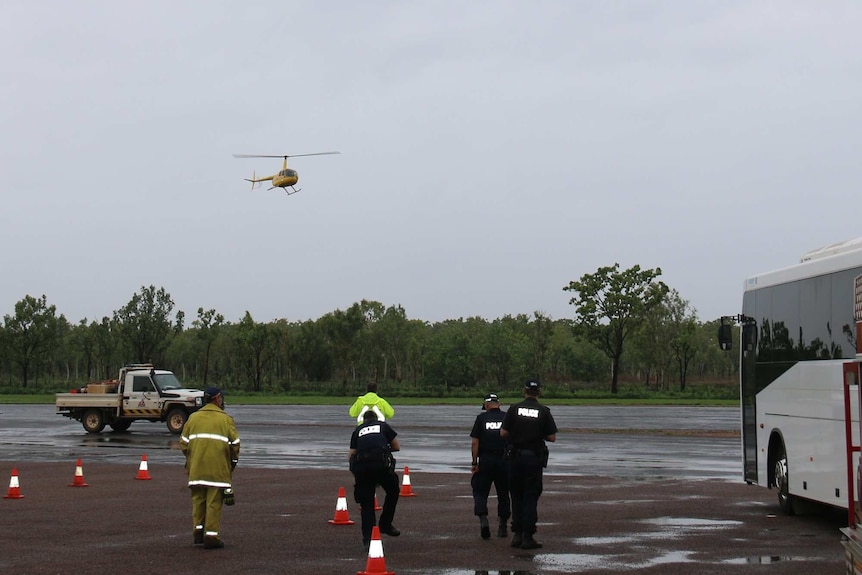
[212, 391]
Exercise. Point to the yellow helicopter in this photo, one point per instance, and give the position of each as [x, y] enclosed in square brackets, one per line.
[285, 178]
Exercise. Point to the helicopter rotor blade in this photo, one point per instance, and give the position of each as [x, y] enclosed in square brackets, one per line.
[283, 155]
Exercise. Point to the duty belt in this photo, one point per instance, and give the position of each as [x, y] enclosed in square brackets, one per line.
[491, 452]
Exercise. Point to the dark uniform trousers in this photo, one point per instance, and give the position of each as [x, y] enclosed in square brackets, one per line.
[525, 485]
[366, 479]
[492, 471]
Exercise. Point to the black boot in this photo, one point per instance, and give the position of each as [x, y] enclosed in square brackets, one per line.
[516, 539]
[501, 529]
[484, 528]
[528, 542]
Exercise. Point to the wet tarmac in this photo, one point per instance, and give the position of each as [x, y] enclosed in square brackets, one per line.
[679, 442]
[651, 491]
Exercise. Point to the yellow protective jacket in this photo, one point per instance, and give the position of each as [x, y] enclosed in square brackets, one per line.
[210, 441]
[371, 401]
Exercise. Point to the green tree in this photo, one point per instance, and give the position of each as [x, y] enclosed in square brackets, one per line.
[107, 346]
[31, 333]
[610, 304]
[145, 325]
[342, 329]
[311, 352]
[255, 343]
[208, 325]
[684, 339]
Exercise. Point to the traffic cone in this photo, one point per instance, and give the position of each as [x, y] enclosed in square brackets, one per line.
[79, 476]
[406, 488]
[143, 472]
[376, 505]
[376, 564]
[342, 517]
[15, 491]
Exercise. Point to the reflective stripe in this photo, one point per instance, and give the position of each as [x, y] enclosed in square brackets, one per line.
[205, 483]
[209, 436]
[211, 534]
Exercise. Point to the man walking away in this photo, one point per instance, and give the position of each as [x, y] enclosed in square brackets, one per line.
[210, 443]
[489, 467]
[372, 464]
[527, 426]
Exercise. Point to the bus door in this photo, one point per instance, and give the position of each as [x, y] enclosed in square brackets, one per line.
[748, 399]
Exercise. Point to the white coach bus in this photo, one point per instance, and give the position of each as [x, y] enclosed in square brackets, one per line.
[798, 330]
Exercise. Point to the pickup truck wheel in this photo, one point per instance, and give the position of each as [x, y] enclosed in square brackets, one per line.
[176, 420]
[122, 425]
[93, 421]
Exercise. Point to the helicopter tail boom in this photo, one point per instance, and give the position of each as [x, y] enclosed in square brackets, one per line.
[255, 181]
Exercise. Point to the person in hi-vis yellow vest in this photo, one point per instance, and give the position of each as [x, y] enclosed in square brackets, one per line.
[371, 401]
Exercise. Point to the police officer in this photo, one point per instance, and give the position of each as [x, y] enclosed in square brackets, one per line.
[210, 443]
[527, 426]
[488, 466]
[372, 464]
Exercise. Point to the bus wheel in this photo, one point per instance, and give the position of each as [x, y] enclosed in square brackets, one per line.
[785, 500]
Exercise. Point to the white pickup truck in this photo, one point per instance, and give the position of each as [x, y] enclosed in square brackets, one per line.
[140, 393]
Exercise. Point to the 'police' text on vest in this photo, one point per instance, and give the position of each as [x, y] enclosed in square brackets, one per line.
[369, 429]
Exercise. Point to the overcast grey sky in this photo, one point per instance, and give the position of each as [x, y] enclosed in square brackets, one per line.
[491, 152]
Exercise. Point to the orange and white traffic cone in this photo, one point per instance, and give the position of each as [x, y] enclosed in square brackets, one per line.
[79, 476]
[14, 489]
[376, 505]
[342, 517]
[376, 564]
[406, 487]
[143, 471]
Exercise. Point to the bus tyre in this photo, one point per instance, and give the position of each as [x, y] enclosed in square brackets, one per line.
[782, 482]
[176, 420]
[93, 421]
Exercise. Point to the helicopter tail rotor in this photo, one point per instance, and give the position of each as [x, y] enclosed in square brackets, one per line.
[254, 182]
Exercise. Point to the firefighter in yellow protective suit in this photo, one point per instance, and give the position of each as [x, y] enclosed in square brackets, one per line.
[210, 443]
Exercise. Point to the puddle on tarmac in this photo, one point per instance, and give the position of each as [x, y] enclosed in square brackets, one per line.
[691, 523]
[481, 572]
[579, 562]
[763, 560]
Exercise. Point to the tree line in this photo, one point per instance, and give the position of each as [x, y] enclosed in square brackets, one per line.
[627, 325]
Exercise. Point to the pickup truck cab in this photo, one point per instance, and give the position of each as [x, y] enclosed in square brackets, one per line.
[140, 393]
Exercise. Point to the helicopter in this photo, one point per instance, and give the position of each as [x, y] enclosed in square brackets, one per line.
[285, 178]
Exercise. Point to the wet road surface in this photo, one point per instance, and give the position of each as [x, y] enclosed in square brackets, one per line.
[628, 490]
[680, 442]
